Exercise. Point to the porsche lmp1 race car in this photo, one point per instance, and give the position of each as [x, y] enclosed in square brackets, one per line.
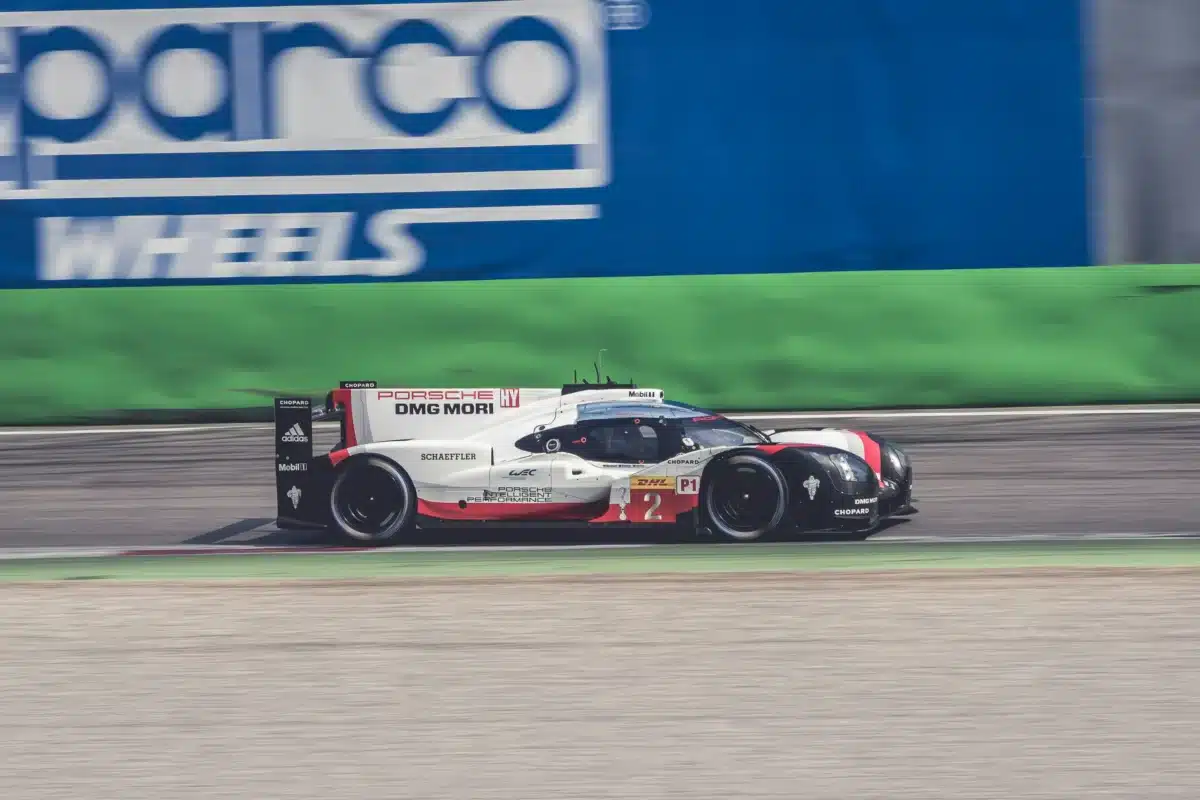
[603, 453]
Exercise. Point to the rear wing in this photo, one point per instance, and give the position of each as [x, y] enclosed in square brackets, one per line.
[333, 409]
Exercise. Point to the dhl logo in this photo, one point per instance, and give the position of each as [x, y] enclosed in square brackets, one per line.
[652, 483]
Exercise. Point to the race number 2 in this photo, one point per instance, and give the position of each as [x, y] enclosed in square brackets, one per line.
[655, 500]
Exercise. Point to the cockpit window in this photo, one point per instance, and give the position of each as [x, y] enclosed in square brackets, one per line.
[717, 431]
[619, 441]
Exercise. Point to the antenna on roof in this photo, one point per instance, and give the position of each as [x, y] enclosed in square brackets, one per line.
[581, 385]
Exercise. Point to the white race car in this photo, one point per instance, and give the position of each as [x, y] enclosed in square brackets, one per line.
[604, 454]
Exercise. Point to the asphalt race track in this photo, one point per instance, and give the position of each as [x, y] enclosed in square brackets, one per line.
[1047, 684]
[1035, 473]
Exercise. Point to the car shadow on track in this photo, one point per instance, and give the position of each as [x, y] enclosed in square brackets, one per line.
[498, 536]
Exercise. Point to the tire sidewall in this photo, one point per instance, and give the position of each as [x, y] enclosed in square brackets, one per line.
[402, 522]
[781, 504]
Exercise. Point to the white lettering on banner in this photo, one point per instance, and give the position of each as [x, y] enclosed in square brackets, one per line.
[285, 100]
[182, 106]
[201, 246]
[626, 15]
[250, 245]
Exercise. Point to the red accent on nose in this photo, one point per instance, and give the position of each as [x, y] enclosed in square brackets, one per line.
[871, 453]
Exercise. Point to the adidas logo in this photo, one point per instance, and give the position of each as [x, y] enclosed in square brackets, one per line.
[294, 435]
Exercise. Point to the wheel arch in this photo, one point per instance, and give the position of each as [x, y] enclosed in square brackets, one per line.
[409, 515]
[706, 476]
[809, 504]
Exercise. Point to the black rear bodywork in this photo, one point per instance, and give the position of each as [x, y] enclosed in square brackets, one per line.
[302, 483]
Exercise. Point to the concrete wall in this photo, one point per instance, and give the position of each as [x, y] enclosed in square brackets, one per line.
[1144, 107]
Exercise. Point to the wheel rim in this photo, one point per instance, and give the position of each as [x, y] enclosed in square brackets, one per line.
[743, 499]
[369, 501]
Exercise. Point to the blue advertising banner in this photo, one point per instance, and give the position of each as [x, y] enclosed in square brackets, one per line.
[182, 141]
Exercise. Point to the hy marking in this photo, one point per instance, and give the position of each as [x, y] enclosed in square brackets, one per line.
[1101, 411]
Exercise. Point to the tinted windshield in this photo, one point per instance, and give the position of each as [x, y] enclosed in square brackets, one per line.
[720, 432]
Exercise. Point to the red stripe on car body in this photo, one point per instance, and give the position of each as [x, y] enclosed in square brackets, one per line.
[508, 511]
[341, 397]
[871, 452]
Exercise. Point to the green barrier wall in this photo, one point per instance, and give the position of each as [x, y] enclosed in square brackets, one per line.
[824, 340]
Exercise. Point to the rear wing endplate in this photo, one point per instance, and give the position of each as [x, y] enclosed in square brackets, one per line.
[293, 453]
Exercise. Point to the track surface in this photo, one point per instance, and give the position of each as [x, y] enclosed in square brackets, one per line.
[977, 476]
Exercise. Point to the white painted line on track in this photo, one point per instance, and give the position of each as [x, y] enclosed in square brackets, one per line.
[1033, 537]
[25, 553]
[969, 413]
[20, 553]
[123, 429]
[953, 413]
[515, 548]
[252, 548]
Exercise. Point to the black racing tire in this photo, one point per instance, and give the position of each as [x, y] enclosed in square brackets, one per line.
[373, 501]
[744, 498]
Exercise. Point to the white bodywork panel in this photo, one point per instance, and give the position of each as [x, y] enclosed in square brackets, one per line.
[849, 441]
[459, 448]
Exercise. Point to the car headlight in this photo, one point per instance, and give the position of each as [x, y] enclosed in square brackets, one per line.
[847, 470]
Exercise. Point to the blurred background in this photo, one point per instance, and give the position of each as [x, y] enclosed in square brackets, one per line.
[753, 205]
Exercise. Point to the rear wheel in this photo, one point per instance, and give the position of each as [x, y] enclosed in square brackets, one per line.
[745, 498]
[373, 501]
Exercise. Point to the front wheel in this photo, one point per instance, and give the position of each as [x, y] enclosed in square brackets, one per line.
[745, 498]
[373, 501]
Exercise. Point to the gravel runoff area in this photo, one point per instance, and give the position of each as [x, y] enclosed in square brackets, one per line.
[962, 685]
